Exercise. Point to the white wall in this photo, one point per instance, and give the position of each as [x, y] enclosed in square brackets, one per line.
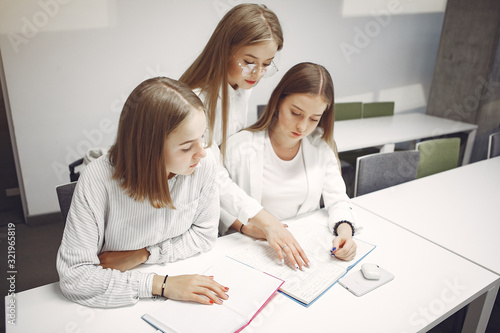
[69, 65]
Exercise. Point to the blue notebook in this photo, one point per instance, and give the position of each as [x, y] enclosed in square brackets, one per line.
[313, 235]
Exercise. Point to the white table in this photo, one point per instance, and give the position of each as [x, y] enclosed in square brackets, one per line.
[430, 284]
[457, 209]
[379, 131]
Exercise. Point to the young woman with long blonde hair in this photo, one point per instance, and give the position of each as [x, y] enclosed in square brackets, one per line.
[239, 53]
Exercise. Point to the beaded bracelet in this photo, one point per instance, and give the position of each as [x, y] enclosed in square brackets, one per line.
[339, 223]
[241, 229]
[163, 286]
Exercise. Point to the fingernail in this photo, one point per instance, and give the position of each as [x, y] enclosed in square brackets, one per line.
[226, 288]
[282, 261]
[296, 266]
[211, 276]
[211, 302]
[309, 264]
[302, 269]
[334, 249]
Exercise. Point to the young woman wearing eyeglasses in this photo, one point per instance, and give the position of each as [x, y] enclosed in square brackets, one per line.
[238, 54]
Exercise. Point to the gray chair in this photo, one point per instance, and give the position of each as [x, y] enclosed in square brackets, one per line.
[494, 145]
[378, 171]
[260, 110]
[65, 195]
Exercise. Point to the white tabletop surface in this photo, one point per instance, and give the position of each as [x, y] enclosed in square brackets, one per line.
[378, 131]
[430, 284]
[457, 209]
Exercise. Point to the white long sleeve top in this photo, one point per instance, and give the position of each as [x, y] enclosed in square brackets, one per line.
[102, 217]
[245, 164]
[238, 111]
[233, 201]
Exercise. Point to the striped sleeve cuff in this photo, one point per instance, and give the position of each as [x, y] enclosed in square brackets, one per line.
[154, 254]
[146, 285]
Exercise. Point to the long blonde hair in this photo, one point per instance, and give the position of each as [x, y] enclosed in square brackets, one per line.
[243, 25]
[154, 109]
[303, 78]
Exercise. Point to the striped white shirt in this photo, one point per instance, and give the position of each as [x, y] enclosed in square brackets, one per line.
[103, 218]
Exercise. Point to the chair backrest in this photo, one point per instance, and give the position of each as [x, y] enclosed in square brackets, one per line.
[437, 155]
[64, 195]
[494, 145]
[380, 170]
[378, 109]
[346, 111]
[260, 109]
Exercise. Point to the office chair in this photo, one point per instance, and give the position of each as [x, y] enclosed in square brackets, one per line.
[378, 109]
[64, 195]
[346, 111]
[494, 145]
[260, 109]
[378, 171]
[73, 176]
[437, 155]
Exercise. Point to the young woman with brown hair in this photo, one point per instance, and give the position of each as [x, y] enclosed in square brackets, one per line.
[153, 199]
[286, 161]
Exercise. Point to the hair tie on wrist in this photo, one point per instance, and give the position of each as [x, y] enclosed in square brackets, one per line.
[163, 286]
[241, 229]
[339, 223]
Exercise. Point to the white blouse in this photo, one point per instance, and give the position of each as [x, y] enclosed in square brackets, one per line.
[237, 113]
[245, 164]
[234, 202]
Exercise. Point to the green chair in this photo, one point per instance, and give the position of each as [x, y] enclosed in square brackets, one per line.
[437, 155]
[378, 109]
[346, 111]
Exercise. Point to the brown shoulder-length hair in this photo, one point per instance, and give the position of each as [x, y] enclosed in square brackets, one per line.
[243, 25]
[303, 78]
[153, 110]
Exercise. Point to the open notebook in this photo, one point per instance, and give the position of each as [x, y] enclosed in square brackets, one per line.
[249, 291]
[312, 233]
